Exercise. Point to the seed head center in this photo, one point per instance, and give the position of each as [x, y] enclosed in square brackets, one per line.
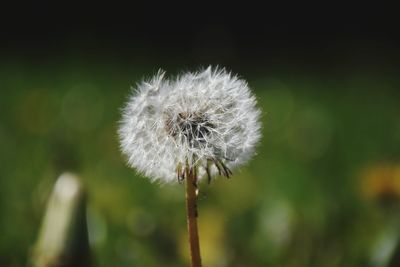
[193, 128]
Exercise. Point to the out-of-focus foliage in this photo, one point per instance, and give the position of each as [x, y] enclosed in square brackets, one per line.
[311, 197]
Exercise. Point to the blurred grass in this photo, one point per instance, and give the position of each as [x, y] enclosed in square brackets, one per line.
[297, 203]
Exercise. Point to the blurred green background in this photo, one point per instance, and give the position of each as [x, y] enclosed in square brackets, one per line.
[322, 191]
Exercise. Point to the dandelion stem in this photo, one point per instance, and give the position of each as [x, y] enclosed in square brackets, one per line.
[191, 210]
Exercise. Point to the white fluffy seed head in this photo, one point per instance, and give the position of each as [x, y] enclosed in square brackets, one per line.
[207, 120]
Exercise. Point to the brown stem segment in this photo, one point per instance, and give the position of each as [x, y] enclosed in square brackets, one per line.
[191, 210]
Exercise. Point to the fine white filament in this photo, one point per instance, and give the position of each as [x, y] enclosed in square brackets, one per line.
[207, 120]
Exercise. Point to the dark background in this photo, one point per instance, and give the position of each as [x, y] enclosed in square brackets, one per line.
[269, 36]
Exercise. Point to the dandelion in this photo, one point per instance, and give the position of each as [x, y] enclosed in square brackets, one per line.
[193, 127]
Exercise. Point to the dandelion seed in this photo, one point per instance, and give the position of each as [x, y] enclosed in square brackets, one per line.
[206, 120]
[196, 125]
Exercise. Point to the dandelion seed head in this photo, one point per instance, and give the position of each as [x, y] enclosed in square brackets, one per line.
[207, 119]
